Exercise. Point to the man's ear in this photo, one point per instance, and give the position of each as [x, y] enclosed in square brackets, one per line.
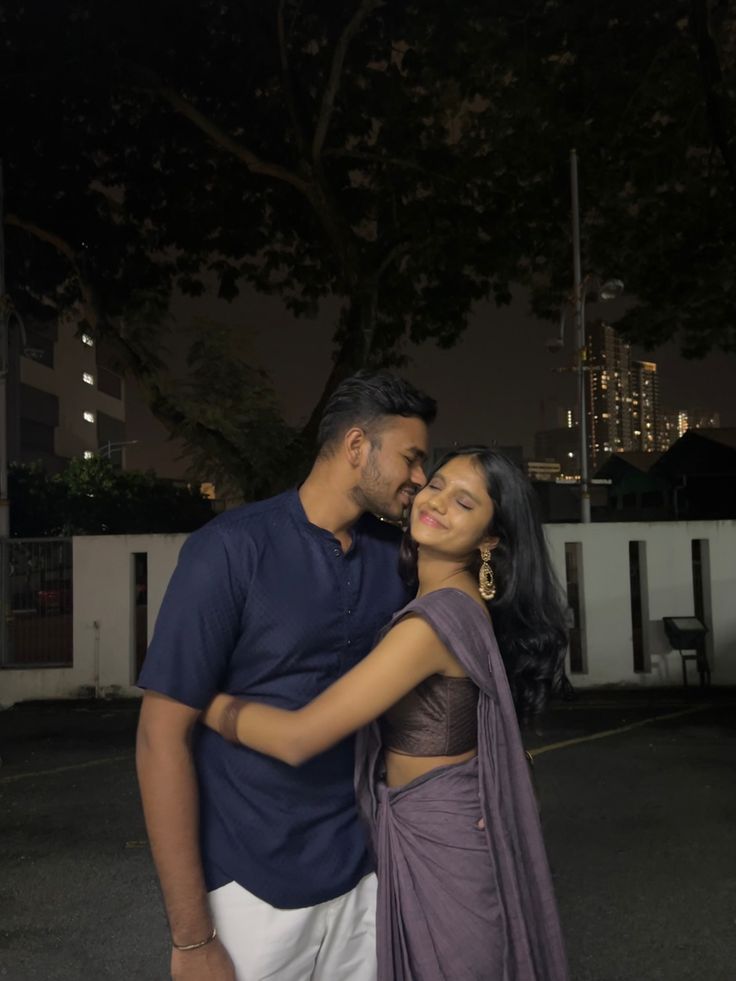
[355, 446]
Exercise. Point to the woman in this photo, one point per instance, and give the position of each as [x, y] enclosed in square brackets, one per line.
[464, 887]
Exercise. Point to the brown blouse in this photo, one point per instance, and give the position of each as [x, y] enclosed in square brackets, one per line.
[437, 718]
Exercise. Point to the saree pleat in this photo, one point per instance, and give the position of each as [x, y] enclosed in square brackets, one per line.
[464, 887]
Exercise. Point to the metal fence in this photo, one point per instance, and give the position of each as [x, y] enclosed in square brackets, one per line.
[37, 601]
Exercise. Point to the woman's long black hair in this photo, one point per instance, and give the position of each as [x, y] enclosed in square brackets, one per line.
[527, 611]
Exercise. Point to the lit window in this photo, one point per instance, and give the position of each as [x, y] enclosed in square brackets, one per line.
[89, 416]
[87, 378]
[88, 454]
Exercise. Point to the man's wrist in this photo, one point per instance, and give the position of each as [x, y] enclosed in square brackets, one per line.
[196, 945]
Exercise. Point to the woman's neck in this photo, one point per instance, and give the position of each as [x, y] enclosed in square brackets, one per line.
[440, 572]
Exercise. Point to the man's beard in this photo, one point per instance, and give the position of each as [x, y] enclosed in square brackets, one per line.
[383, 505]
[373, 494]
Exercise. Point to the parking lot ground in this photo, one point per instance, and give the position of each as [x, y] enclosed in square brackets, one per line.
[638, 796]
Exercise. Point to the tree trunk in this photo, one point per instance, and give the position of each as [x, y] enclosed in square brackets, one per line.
[355, 336]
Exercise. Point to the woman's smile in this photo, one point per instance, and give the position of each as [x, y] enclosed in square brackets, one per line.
[428, 519]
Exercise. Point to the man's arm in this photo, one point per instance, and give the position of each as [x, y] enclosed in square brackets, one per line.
[168, 785]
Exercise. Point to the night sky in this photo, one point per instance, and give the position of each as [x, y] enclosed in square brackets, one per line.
[498, 384]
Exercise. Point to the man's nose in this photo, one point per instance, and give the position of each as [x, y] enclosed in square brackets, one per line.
[418, 476]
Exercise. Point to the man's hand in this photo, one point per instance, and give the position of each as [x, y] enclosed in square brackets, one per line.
[209, 963]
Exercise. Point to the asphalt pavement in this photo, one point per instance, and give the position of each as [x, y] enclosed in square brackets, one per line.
[638, 804]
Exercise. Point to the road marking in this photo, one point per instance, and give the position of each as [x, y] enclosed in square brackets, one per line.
[65, 769]
[550, 747]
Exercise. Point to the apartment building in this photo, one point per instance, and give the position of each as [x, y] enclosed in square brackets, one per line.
[65, 398]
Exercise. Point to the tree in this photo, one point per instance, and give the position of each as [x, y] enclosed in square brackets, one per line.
[92, 497]
[653, 87]
[398, 156]
[355, 178]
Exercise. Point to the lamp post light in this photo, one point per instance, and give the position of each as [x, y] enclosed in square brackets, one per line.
[586, 287]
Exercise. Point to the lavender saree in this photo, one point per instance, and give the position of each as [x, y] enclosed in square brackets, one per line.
[464, 889]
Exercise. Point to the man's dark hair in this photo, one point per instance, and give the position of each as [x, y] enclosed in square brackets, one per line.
[365, 399]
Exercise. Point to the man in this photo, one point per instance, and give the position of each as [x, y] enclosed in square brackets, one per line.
[264, 868]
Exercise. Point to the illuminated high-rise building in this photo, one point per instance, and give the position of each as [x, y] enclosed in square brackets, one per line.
[624, 413]
[609, 392]
[676, 422]
[623, 397]
[646, 415]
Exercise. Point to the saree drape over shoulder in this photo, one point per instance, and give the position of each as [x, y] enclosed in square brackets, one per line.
[464, 888]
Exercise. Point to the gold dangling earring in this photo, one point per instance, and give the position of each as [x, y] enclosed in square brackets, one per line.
[486, 582]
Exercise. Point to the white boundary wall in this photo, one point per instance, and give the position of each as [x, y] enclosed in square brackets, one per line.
[103, 619]
[669, 588]
[104, 606]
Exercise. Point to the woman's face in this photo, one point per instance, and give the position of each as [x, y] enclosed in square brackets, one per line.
[452, 513]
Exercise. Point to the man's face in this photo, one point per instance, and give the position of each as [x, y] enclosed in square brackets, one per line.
[392, 470]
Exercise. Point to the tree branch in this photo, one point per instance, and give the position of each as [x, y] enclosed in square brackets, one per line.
[222, 139]
[286, 81]
[379, 158]
[147, 81]
[391, 256]
[64, 249]
[315, 190]
[327, 106]
[44, 235]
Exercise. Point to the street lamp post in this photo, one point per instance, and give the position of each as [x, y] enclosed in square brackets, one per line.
[582, 348]
[607, 290]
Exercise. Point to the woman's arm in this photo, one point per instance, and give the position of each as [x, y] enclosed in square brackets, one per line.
[409, 653]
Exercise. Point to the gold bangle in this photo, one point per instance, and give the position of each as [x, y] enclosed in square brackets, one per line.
[202, 943]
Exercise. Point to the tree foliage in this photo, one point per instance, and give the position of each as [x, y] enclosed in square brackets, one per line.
[92, 497]
[230, 419]
[406, 158]
[653, 89]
